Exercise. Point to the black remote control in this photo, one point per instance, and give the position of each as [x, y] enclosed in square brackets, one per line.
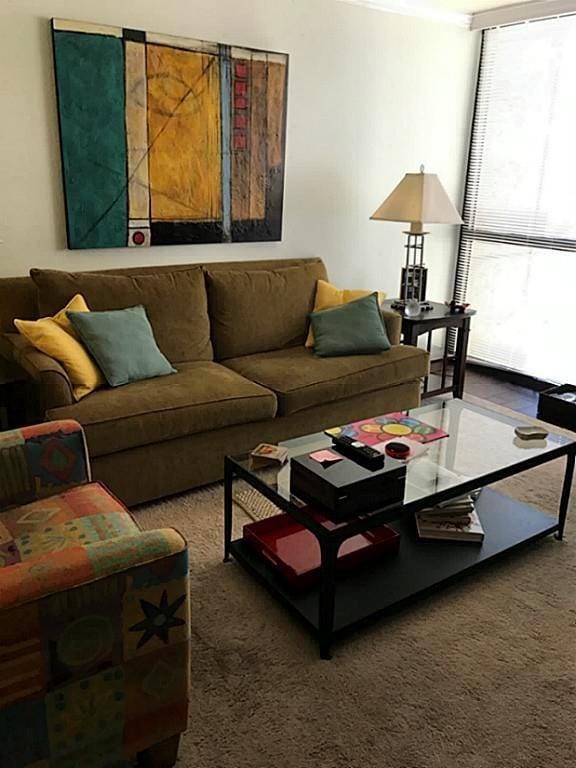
[357, 451]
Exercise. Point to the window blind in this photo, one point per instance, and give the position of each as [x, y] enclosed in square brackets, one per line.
[516, 261]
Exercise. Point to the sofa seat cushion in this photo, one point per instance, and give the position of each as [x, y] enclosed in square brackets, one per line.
[302, 380]
[78, 516]
[200, 397]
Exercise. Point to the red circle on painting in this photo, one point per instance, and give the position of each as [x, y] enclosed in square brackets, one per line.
[138, 238]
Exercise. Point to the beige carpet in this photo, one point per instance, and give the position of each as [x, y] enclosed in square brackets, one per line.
[481, 675]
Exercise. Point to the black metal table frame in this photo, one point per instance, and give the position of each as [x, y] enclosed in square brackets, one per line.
[331, 540]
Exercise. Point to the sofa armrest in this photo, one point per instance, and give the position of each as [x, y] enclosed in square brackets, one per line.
[53, 382]
[41, 461]
[73, 567]
[393, 322]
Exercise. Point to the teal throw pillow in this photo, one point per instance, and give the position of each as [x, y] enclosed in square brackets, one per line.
[355, 328]
[122, 343]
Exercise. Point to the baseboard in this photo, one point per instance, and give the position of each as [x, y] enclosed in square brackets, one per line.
[512, 377]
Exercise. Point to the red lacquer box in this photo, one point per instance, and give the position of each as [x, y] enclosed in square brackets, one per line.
[294, 551]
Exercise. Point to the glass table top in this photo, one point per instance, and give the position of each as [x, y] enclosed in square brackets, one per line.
[480, 442]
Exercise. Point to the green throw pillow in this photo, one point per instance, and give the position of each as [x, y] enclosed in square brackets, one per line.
[122, 343]
[355, 328]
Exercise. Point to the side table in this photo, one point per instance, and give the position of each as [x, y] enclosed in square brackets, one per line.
[14, 389]
[440, 316]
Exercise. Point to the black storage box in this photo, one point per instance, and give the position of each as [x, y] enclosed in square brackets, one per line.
[556, 410]
[347, 488]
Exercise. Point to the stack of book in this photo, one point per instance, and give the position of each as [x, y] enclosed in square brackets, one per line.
[267, 454]
[454, 520]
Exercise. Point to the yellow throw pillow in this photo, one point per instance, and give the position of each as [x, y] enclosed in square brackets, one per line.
[55, 337]
[328, 296]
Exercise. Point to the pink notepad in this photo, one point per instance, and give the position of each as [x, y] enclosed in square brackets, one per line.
[325, 457]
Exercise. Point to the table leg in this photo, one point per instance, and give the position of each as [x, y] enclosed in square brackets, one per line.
[228, 506]
[427, 377]
[410, 335]
[565, 498]
[444, 361]
[329, 554]
[460, 358]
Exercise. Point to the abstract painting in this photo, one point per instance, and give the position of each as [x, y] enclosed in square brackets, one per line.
[166, 140]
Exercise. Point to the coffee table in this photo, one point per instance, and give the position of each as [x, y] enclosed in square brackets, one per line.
[481, 449]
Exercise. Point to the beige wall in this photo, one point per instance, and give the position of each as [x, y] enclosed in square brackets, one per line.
[371, 96]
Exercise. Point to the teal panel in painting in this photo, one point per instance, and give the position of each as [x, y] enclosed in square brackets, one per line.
[91, 103]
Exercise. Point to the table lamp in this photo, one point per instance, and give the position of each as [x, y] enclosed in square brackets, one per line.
[419, 198]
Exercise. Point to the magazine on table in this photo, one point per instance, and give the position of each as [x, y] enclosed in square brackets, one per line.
[390, 426]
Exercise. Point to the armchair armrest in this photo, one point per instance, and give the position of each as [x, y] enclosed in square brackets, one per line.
[393, 322]
[41, 461]
[114, 619]
[77, 566]
[53, 382]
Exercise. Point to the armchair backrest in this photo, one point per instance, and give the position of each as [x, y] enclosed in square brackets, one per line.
[41, 461]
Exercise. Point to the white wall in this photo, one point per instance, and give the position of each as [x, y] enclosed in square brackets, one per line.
[371, 96]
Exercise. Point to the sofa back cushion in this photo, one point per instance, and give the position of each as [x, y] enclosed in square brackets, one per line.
[175, 302]
[257, 311]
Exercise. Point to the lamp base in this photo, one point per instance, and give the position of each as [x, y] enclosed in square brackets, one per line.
[414, 282]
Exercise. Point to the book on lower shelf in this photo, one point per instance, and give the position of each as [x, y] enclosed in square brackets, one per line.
[456, 520]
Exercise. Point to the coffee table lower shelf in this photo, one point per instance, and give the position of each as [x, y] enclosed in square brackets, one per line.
[420, 567]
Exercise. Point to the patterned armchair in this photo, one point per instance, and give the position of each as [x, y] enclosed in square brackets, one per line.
[94, 615]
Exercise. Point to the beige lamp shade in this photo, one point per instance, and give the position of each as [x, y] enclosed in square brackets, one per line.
[419, 198]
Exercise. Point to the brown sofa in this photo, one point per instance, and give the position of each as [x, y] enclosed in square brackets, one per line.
[235, 333]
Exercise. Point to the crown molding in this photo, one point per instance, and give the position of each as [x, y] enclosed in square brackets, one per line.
[417, 8]
[514, 14]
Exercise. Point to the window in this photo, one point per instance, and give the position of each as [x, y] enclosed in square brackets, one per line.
[517, 258]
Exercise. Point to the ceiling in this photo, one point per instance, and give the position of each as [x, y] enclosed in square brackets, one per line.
[474, 14]
[464, 6]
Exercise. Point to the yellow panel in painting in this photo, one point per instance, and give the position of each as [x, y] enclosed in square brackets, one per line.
[182, 42]
[184, 134]
[137, 131]
[276, 117]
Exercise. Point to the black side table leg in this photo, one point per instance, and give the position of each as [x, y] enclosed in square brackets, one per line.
[460, 358]
[565, 498]
[228, 504]
[329, 552]
[410, 334]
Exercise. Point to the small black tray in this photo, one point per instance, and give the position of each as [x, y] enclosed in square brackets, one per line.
[554, 410]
